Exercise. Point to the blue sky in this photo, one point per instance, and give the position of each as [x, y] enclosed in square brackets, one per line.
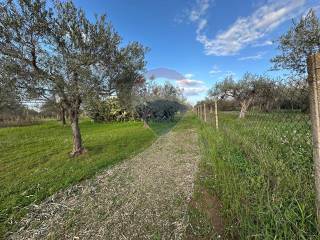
[195, 43]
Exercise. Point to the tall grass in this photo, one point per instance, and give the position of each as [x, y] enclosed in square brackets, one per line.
[263, 174]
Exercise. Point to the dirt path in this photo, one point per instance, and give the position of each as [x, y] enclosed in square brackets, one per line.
[142, 198]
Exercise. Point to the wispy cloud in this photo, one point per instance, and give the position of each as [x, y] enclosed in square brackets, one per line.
[189, 75]
[189, 87]
[215, 70]
[247, 30]
[189, 83]
[188, 92]
[262, 44]
[253, 57]
[199, 10]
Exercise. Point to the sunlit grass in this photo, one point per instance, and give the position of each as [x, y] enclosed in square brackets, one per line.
[35, 162]
[263, 174]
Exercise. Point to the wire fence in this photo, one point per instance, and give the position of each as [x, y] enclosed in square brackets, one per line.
[278, 133]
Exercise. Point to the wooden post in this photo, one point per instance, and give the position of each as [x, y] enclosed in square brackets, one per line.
[205, 112]
[314, 95]
[211, 114]
[216, 113]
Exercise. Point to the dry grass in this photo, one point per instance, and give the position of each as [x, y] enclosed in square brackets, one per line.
[142, 198]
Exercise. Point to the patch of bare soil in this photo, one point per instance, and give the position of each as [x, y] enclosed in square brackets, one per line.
[212, 206]
[145, 197]
[205, 209]
[206, 222]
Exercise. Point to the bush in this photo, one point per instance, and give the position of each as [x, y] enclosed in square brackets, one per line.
[107, 111]
[159, 110]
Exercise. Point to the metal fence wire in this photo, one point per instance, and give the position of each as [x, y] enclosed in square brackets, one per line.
[277, 134]
[283, 130]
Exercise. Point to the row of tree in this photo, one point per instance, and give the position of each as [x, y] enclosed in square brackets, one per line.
[264, 93]
[260, 93]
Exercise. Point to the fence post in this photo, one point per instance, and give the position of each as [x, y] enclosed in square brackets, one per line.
[205, 112]
[314, 95]
[210, 114]
[216, 113]
[202, 116]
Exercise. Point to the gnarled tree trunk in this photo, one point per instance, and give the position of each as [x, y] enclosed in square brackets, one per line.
[244, 107]
[145, 124]
[63, 115]
[78, 149]
[74, 105]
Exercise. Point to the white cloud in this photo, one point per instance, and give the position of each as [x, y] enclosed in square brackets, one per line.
[253, 57]
[191, 87]
[194, 91]
[189, 83]
[262, 44]
[199, 10]
[189, 75]
[247, 30]
[215, 70]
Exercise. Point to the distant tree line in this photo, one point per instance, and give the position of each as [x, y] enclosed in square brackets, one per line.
[263, 93]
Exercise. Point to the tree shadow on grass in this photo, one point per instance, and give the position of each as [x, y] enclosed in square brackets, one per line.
[163, 127]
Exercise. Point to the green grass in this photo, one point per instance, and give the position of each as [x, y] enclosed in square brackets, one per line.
[34, 160]
[163, 127]
[263, 174]
[200, 226]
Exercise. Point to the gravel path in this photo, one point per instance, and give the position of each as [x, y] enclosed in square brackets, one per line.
[145, 197]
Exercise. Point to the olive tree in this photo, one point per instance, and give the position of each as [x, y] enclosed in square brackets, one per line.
[251, 89]
[242, 91]
[59, 51]
[300, 41]
[10, 97]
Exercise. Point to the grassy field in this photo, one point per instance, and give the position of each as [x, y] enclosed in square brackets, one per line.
[262, 172]
[34, 160]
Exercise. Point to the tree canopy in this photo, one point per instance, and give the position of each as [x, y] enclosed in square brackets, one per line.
[58, 51]
[301, 40]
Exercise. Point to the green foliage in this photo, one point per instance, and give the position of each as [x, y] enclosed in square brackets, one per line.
[263, 175]
[301, 40]
[160, 109]
[10, 100]
[107, 110]
[31, 171]
[57, 52]
[50, 108]
[240, 90]
[158, 102]
[260, 93]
